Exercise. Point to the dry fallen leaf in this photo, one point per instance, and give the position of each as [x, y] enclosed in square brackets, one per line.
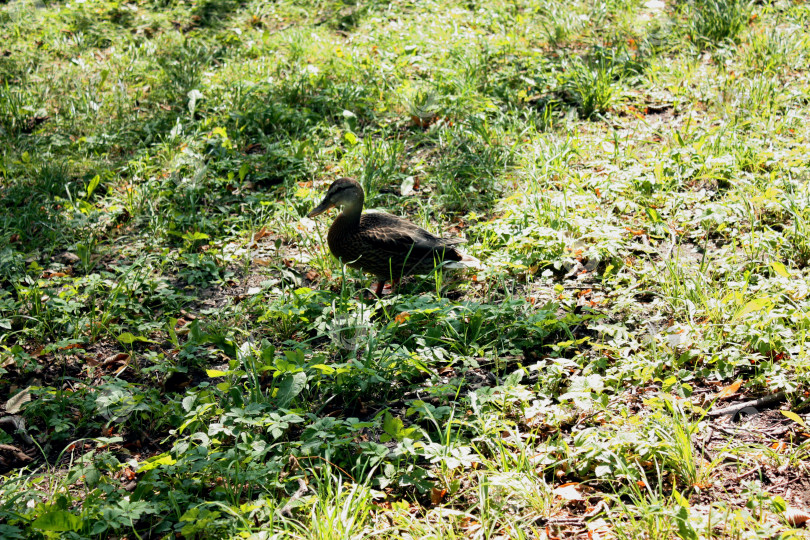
[120, 358]
[729, 390]
[14, 404]
[796, 517]
[569, 492]
[261, 233]
[437, 494]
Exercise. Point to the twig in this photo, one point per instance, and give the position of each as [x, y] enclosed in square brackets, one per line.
[770, 399]
[600, 507]
[746, 473]
[300, 492]
[783, 483]
[330, 463]
[702, 446]
[671, 245]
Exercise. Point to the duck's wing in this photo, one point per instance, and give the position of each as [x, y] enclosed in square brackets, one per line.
[392, 234]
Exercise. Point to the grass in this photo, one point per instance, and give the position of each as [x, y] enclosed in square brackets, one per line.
[180, 355]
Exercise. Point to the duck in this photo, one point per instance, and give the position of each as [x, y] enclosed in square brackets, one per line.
[378, 243]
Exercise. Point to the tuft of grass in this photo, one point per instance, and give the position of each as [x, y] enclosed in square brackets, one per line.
[712, 23]
[181, 355]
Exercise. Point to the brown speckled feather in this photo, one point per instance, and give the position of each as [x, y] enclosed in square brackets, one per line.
[389, 247]
[381, 244]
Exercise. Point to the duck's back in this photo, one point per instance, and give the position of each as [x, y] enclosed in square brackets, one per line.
[388, 246]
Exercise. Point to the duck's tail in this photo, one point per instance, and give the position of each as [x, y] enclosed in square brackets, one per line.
[466, 261]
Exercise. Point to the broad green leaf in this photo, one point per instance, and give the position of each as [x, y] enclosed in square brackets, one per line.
[155, 462]
[57, 521]
[244, 170]
[290, 387]
[323, 368]
[172, 334]
[129, 338]
[93, 185]
[196, 235]
[393, 427]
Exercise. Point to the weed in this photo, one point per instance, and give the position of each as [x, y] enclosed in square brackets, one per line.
[180, 354]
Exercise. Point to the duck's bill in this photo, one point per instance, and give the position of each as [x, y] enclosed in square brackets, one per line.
[320, 209]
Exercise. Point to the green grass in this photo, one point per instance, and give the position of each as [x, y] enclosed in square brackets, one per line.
[180, 355]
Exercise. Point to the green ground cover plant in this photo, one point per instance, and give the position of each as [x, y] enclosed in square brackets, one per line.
[181, 356]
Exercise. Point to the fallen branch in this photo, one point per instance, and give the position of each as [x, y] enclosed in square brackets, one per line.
[16, 452]
[764, 401]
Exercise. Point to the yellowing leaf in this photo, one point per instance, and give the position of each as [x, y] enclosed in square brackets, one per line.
[754, 305]
[680, 499]
[795, 417]
[215, 373]
[780, 269]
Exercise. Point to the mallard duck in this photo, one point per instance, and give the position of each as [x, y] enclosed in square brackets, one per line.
[381, 244]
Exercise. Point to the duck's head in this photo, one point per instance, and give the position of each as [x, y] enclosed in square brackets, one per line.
[344, 193]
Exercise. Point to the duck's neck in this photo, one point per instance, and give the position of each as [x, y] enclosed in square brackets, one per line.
[350, 216]
[345, 225]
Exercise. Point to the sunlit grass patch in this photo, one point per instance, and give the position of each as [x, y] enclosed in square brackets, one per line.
[180, 353]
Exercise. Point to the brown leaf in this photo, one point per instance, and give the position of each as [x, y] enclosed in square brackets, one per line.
[437, 494]
[402, 317]
[261, 233]
[120, 358]
[729, 390]
[312, 275]
[796, 517]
